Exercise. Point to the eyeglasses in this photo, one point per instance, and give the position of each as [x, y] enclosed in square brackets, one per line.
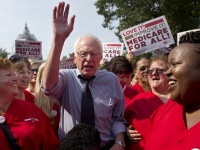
[142, 68]
[158, 71]
[35, 70]
[15, 58]
[29, 72]
[84, 54]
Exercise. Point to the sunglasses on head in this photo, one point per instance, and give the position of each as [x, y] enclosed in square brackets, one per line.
[15, 58]
[35, 70]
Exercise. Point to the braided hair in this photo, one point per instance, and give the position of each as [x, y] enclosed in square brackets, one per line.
[190, 37]
[81, 137]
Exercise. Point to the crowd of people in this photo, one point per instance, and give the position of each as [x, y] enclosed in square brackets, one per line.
[148, 104]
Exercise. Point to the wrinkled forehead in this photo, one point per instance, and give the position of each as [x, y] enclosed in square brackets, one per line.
[88, 44]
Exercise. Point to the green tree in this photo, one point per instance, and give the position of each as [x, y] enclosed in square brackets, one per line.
[181, 15]
[65, 56]
[3, 53]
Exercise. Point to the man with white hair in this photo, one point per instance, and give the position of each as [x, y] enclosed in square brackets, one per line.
[67, 85]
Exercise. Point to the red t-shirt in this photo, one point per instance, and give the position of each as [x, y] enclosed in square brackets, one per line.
[129, 94]
[28, 96]
[138, 113]
[168, 131]
[138, 88]
[30, 126]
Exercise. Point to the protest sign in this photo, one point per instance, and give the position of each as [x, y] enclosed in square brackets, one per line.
[161, 51]
[67, 63]
[182, 33]
[148, 36]
[111, 50]
[30, 49]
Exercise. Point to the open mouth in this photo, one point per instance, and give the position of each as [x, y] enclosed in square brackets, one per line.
[155, 79]
[87, 67]
[172, 84]
[15, 85]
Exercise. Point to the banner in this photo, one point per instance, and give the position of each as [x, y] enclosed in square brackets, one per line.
[161, 51]
[182, 33]
[148, 36]
[29, 49]
[111, 50]
[67, 63]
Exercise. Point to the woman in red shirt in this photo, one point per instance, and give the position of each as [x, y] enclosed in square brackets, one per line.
[27, 123]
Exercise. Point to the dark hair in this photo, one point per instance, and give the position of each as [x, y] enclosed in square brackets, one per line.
[137, 60]
[120, 64]
[193, 38]
[18, 60]
[190, 37]
[82, 136]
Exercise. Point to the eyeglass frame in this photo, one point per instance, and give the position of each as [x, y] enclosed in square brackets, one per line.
[157, 71]
[142, 68]
[92, 54]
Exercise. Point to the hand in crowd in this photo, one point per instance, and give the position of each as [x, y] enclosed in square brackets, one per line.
[130, 56]
[116, 147]
[61, 27]
[133, 135]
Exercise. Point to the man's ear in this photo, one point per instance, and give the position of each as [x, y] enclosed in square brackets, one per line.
[134, 71]
[73, 55]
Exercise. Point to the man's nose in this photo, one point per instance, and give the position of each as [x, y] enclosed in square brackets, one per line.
[88, 57]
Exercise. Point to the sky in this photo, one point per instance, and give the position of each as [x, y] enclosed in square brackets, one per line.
[38, 16]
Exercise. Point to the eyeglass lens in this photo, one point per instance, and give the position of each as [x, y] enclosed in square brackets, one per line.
[142, 68]
[158, 71]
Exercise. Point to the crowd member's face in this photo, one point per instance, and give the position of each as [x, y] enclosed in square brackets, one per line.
[141, 70]
[124, 79]
[23, 76]
[8, 83]
[157, 78]
[87, 56]
[102, 62]
[184, 74]
[34, 68]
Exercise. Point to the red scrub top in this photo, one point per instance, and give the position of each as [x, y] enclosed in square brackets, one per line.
[138, 113]
[168, 131]
[28, 96]
[129, 94]
[138, 88]
[56, 118]
[30, 126]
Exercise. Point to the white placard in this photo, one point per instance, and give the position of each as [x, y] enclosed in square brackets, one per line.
[147, 36]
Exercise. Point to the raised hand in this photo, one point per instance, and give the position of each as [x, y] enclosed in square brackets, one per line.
[61, 27]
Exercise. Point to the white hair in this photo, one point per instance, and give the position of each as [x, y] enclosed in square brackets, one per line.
[90, 36]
